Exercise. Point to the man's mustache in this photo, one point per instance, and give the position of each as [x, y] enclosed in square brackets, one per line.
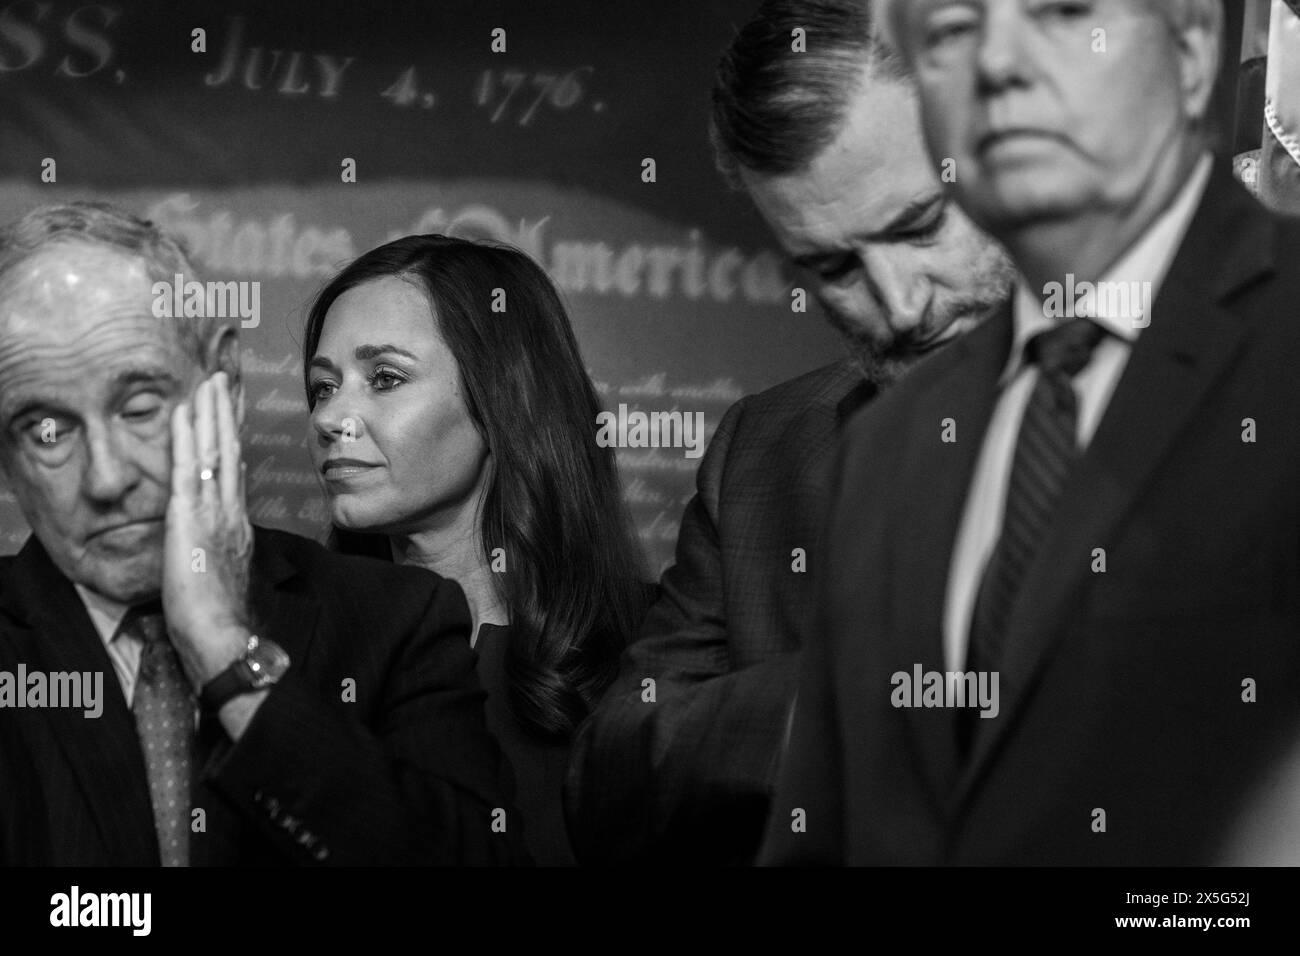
[925, 337]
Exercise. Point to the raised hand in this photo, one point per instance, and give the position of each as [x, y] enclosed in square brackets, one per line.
[209, 541]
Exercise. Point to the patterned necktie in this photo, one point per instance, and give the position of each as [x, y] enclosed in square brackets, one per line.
[163, 707]
[1046, 449]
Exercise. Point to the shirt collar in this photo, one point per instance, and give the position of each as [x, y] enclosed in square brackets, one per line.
[1147, 260]
[105, 613]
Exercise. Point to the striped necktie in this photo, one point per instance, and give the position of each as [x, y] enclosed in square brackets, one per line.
[1046, 451]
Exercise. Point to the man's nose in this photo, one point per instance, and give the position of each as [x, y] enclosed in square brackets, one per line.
[110, 470]
[900, 288]
[1003, 55]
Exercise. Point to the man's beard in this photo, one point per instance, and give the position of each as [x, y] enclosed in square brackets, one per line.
[881, 367]
[885, 364]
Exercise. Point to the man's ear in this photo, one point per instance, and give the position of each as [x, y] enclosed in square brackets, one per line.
[1199, 50]
[223, 356]
[891, 26]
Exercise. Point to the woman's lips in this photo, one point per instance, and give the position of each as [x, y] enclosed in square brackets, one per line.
[345, 469]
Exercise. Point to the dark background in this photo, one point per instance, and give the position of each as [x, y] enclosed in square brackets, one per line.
[540, 146]
[239, 160]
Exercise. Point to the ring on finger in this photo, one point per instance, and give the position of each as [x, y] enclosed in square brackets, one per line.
[207, 473]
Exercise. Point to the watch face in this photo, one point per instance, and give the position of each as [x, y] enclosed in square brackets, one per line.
[267, 661]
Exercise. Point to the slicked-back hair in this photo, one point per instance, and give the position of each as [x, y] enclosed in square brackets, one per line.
[774, 109]
[574, 581]
[104, 224]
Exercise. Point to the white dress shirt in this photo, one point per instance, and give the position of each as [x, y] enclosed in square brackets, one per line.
[1148, 260]
[123, 649]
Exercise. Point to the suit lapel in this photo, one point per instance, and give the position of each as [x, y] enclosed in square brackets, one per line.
[282, 611]
[53, 632]
[943, 471]
[1175, 363]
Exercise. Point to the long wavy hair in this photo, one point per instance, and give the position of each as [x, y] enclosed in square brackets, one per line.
[574, 578]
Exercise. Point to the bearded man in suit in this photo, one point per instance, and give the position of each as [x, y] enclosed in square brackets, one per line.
[827, 144]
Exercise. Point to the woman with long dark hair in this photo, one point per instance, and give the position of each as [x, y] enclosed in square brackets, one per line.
[453, 426]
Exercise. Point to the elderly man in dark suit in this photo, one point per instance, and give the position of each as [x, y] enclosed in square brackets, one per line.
[266, 702]
[1086, 650]
[826, 142]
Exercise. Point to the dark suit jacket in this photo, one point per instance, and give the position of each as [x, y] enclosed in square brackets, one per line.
[406, 774]
[1120, 691]
[534, 768]
[689, 776]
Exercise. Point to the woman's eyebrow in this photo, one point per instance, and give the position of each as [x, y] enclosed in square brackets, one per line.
[366, 352]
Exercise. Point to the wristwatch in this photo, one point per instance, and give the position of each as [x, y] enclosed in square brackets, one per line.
[262, 664]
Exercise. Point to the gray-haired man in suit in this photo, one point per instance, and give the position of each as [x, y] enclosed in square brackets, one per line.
[227, 733]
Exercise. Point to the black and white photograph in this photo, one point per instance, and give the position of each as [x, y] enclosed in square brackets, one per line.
[694, 440]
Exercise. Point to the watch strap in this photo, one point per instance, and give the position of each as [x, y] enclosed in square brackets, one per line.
[230, 683]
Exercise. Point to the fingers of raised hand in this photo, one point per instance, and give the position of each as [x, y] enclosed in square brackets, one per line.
[231, 474]
[185, 469]
[206, 448]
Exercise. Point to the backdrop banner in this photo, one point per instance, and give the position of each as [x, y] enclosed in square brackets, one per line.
[281, 141]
